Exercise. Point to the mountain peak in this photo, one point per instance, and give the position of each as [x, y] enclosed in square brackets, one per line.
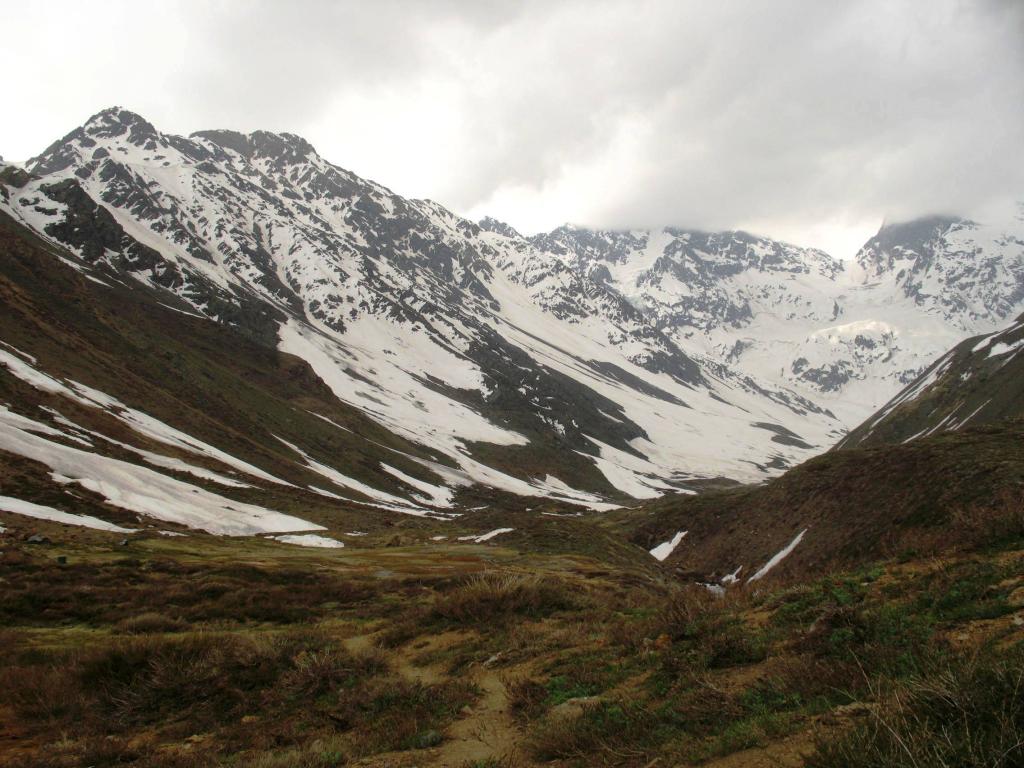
[281, 145]
[490, 224]
[116, 121]
[918, 230]
[277, 146]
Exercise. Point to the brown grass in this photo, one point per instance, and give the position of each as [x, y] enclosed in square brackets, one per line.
[499, 595]
[208, 679]
[968, 714]
[490, 599]
[41, 593]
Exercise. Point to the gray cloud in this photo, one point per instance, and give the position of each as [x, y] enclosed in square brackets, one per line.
[785, 116]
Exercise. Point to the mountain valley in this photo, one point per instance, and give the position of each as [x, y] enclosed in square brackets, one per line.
[587, 367]
[298, 473]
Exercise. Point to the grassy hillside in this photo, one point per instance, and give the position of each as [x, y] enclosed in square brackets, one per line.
[855, 505]
[980, 381]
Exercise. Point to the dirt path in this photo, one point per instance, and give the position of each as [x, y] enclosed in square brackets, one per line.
[789, 752]
[487, 730]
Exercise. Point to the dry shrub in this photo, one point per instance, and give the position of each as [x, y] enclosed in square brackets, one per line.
[314, 672]
[526, 697]
[969, 715]
[812, 678]
[708, 631]
[980, 526]
[704, 707]
[613, 730]
[107, 593]
[499, 595]
[321, 753]
[43, 692]
[399, 632]
[199, 680]
[110, 751]
[962, 529]
[687, 610]
[505, 761]
[151, 622]
[394, 714]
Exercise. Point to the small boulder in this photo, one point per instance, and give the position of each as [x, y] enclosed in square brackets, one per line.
[573, 707]
[427, 739]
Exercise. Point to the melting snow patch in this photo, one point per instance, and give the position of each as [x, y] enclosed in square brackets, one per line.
[439, 496]
[38, 511]
[438, 538]
[157, 430]
[140, 422]
[733, 577]
[973, 414]
[24, 371]
[778, 557]
[25, 355]
[666, 548]
[156, 459]
[486, 536]
[1002, 348]
[380, 498]
[140, 489]
[328, 494]
[329, 421]
[310, 540]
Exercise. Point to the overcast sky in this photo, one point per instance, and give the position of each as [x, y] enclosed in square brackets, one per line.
[809, 120]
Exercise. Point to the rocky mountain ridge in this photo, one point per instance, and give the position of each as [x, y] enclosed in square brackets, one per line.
[590, 367]
[845, 334]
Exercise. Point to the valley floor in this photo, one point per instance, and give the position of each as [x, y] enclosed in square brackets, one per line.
[200, 651]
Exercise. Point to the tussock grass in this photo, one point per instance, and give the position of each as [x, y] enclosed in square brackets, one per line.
[617, 730]
[488, 599]
[599, 669]
[39, 594]
[260, 691]
[499, 595]
[392, 714]
[207, 679]
[150, 622]
[321, 753]
[968, 714]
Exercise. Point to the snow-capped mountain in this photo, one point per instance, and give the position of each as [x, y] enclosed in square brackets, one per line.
[523, 371]
[846, 335]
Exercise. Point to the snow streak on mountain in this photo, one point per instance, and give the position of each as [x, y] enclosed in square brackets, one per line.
[586, 366]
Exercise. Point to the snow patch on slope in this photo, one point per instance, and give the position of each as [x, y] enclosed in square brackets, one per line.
[309, 540]
[778, 557]
[481, 538]
[666, 548]
[41, 512]
[139, 489]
